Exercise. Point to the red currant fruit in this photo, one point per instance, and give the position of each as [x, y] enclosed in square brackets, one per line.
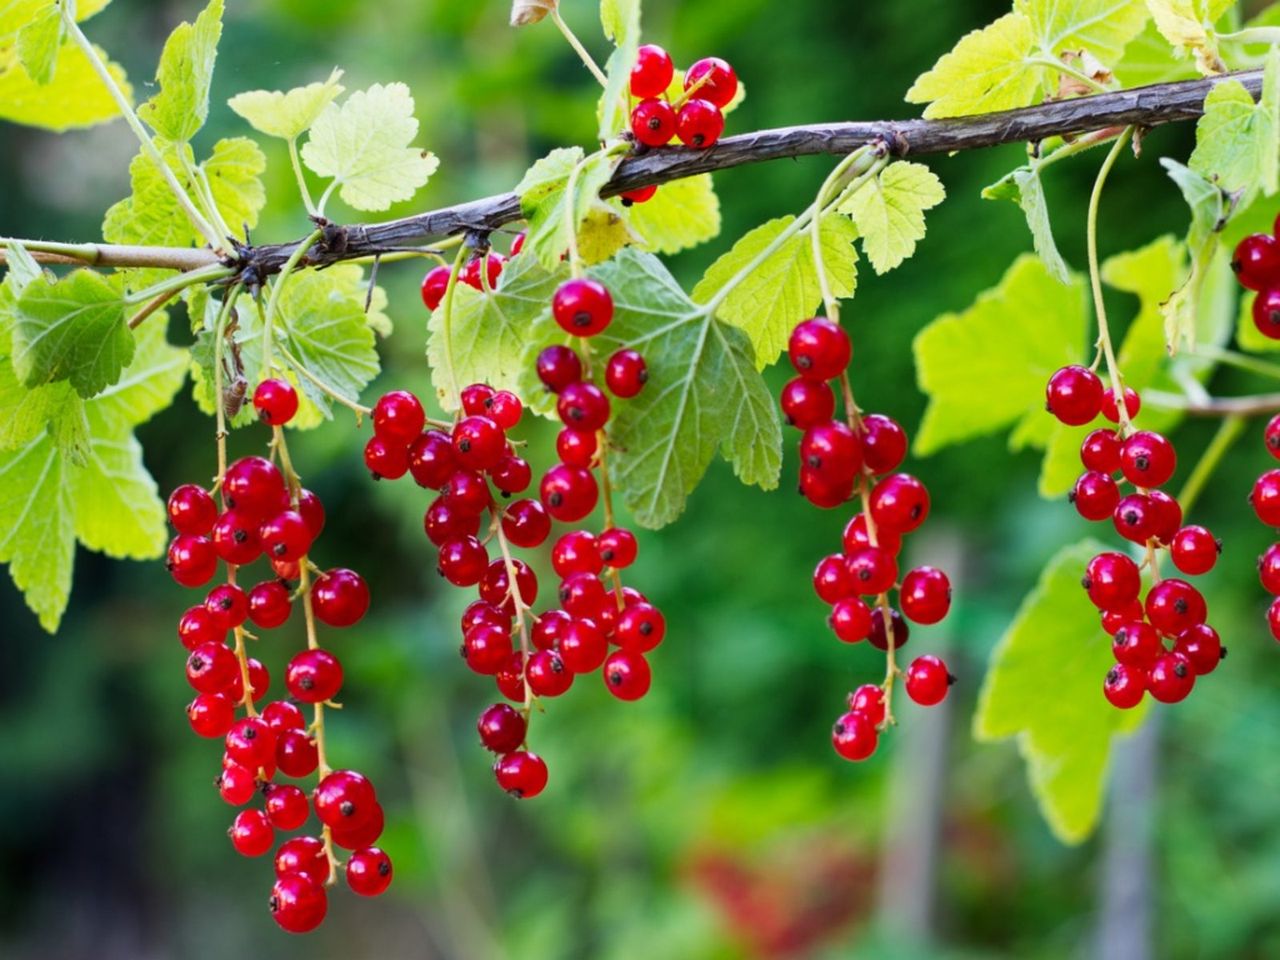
[626, 373]
[582, 646]
[1272, 436]
[504, 408]
[558, 366]
[806, 403]
[640, 627]
[521, 774]
[431, 459]
[638, 195]
[652, 72]
[276, 402]
[854, 736]
[398, 417]
[1100, 451]
[653, 122]
[1095, 495]
[850, 620]
[1137, 644]
[303, 857]
[1132, 404]
[1135, 519]
[363, 834]
[928, 680]
[198, 626]
[1125, 686]
[583, 406]
[501, 728]
[879, 636]
[192, 510]
[576, 552]
[1171, 678]
[899, 502]
[1265, 498]
[1194, 550]
[1074, 395]
[313, 676]
[269, 604]
[296, 754]
[712, 79]
[1202, 647]
[617, 547]
[286, 536]
[856, 535]
[467, 492]
[1174, 606]
[925, 595]
[526, 524]
[344, 799]
[486, 648]
[473, 275]
[298, 903]
[568, 493]
[340, 597]
[582, 307]
[385, 459]
[1269, 569]
[627, 675]
[1257, 261]
[819, 349]
[255, 488]
[434, 285]
[1266, 312]
[235, 538]
[1147, 459]
[548, 676]
[286, 806]
[884, 443]
[211, 715]
[1112, 580]
[251, 833]
[191, 561]
[211, 667]
[873, 569]
[478, 443]
[1167, 514]
[463, 561]
[868, 700]
[228, 606]
[369, 872]
[699, 123]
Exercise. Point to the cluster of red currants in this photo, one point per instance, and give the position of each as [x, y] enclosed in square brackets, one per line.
[1161, 642]
[266, 516]
[695, 117]
[1257, 266]
[1265, 499]
[837, 460]
[479, 272]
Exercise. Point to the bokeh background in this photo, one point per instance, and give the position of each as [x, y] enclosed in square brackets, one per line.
[712, 819]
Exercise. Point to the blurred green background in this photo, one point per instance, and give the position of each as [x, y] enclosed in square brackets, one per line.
[712, 819]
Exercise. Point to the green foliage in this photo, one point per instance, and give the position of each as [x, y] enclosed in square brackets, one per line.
[1044, 686]
[290, 114]
[682, 214]
[1188, 25]
[1024, 187]
[544, 193]
[1210, 208]
[621, 22]
[1237, 140]
[780, 281]
[364, 145]
[181, 106]
[889, 212]
[38, 43]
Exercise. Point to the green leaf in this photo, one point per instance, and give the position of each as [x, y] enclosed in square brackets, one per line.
[1237, 140]
[74, 96]
[704, 392]
[364, 145]
[1188, 25]
[1101, 27]
[985, 369]
[1150, 59]
[151, 380]
[118, 510]
[1055, 643]
[181, 106]
[289, 114]
[682, 214]
[25, 413]
[37, 532]
[985, 71]
[72, 328]
[543, 193]
[1210, 208]
[889, 212]
[1024, 187]
[485, 337]
[782, 288]
[234, 171]
[38, 44]
[621, 22]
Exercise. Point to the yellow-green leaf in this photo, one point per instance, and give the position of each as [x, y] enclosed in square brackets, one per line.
[544, 192]
[234, 171]
[889, 209]
[987, 70]
[73, 97]
[181, 106]
[1237, 140]
[682, 214]
[1024, 187]
[287, 114]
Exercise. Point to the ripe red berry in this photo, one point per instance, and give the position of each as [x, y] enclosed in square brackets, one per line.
[548, 676]
[582, 307]
[475, 399]
[1266, 311]
[344, 799]
[1202, 647]
[638, 195]
[928, 680]
[269, 604]
[1137, 644]
[873, 570]
[1273, 618]
[583, 406]
[431, 459]
[1174, 605]
[211, 667]
[576, 552]
[385, 459]
[276, 401]
[856, 535]
[652, 72]
[304, 857]
[434, 285]
[1147, 459]
[313, 676]
[286, 806]
[884, 443]
[283, 715]
[255, 488]
[558, 366]
[1272, 436]
[467, 492]
[1171, 678]
[495, 586]
[296, 754]
[521, 774]
[1269, 569]
[568, 493]
[819, 349]
[879, 635]
[1112, 580]
[1256, 261]
[899, 502]
[251, 743]
[1132, 404]
[1074, 395]
[850, 619]
[1135, 518]
[1265, 498]
[583, 647]
[806, 403]
[832, 451]
[1124, 686]
[251, 833]
[191, 560]
[312, 511]
[713, 79]
[192, 510]
[833, 581]
[1100, 451]
[473, 275]
[340, 597]
[854, 736]
[504, 408]
[363, 834]
[211, 714]
[298, 903]
[463, 561]
[868, 700]
[443, 523]
[286, 536]
[1167, 515]
[486, 648]
[478, 443]
[1194, 550]
[369, 872]
[653, 122]
[618, 548]
[501, 728]
[197, 625]
[1095, 495]
[699, 123]
[627, 675]
[526, 524]
[925, 595]
[823, 490]
[235, 538]
[626, 374]
[398, 417]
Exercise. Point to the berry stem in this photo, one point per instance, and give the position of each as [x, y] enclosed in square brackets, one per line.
[171, 285]
[1229, 431]
[447, 323]
[303, 189]
[1054, 63]
[586, 58]
[513, 593]
[1095, 281]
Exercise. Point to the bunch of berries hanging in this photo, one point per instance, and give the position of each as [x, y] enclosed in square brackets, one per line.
[268, 517]
[695, 116]
[839, 460]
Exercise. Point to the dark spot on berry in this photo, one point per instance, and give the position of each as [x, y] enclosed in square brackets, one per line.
[555, 499]
[615, 677]
[646, 628]
[384, 868]
[240, 536]
[1180, 669]
[306, 683]
[346, 808]
[1180, 605]
[279, 550]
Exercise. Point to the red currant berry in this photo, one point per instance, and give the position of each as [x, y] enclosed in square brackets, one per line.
[296, 754]
[559, 366]
[582, 646]
[548, 628]
[385, 459]
[475, 399]
[313, 676]
[486, 648]
[228, 606]
[868, 700]
[276, 402]
[286, 806]
[833, 581]
[521, 774]
[1174, 606]
[269, 604]
[211, 667]
[548, 676]
[712, 79]
[1171, 678]
[879, 636]
[286, 536]
[511, 474]
[699, 123]
[576, 552]
[1272, 436]
[1132, 404]
[1125, 686]
[638, 195]
[434, 285]
[640, 627]
[526, 524]
[582, 307]
[495, 586]
[832, 451]
[303, 857]
[211, 715]
[873, 569]
[443, 523]
[463, 561]
[363, 834]
[298, 903]
[577, 448]
[478, 443]
[582, 595]
[501, 728]
[1137, 644]
[1202, 647]
[344, 799]
[1112, 580]
[856, 535]
[235, 784]
[1269, 569]
[476, 276]
[928, 680]
[1273, 618]
[850, 620]
[583, 406]
[819, 349]
[467, 492]
[192, 510]
[312, 511]
[235, 538]
[854, 736]
[617, 547]
[1100, 451]
[925, 595]
[255, 488]
[1095, 495]
[652, 72]
[199, 626]
[340, 597]
[1265, 498]
[824, 491]
[627, 675]
[1194, 550]
[568, 493]
[1147, 459]
[191, 560]
[1074, 395]
[1168, 516]
[653, 122]
[283, 715]
[899, 502]
[1266, 312]
[369, 872]
[884, 443]
[398, 417]
[251, 833]
[806, 403]
[504, 408]
[626, 373]
[431, 459]
[510, 678]
[1256, 261]
[1135, 519]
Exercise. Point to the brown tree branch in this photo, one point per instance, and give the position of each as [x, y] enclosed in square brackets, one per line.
[1142, 107]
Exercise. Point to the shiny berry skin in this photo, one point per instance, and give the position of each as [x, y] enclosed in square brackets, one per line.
[385, 459]
[228, 605]
[235, 784]
[547, 674]
[251, 833]
[925, 595]
[313, 676]
[873, 570]
[1266, 311]
[638, 195]
[1174, 605]
[1095, 495]
[652, 72]
[1074, 395]
[312, 511]
[304, 857]
[899, 503]
[443, 523]
[1171, 678]
[259, 681]
[582, 307]
[854, 736]
[235, 538]
[1269, 569]
[526, 524]
[431, 459]
[548, 628]
[255, 488]
[714, 79]
[298, 904]
[478, 443]
[344, 799]
[1147, 459]
[1265, 498]
[856, 535]
[618, 548]
[868, 700]
[1202, 647]
[583, 406]
[568, 493]
[1132, 404]
[198, 626]
[1194, 550]
[191, 560]
[1112, 581]
[699, 123]
[1135, 519]
[495, 585]
[463, 561]
[486, 648]
[276, 402]
[577, 448]
[582, 595]
[475, 399]
[211, 667]
[1272, 436]
[269, 604]
[640, 627]
[192, 510]
[832, 579]
[369, 872]
[1273, 618]
[627, 675]
[296, 753]
[1100, 451]
[510, 678]
[1256, 261]
[482, 611]
[879, 636]
[434, 285]
[1124, 686]
[467, 492]
[832, 451]
[824, 491]
[1137, 644]
[398, 417]
[819, 349]
[576, 552]
[626, 373]
[884, 443]
[1167, 514]
[501, 728]
[476, 276]
[283, 715]
[1113, 620]
[806, 403]
[504, 408]
[582, 646]
[521, 774]
[286, 536]
[653, 122]
[363, 834]
[850, 620]
[340, 597]
[558, 366]
[211, 715]
[928, 680]
[286, 806]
